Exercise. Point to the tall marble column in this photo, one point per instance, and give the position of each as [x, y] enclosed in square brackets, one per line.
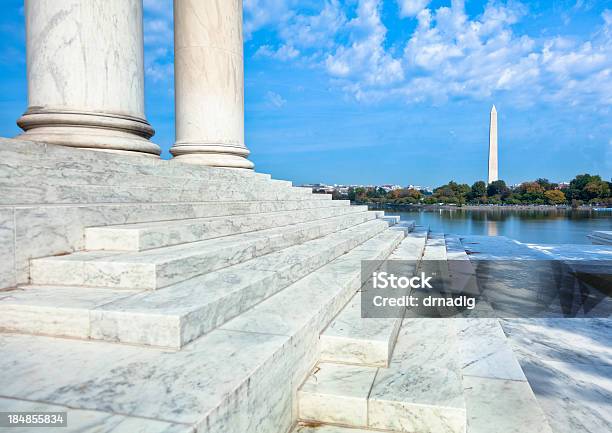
[85, 67]
[209, 83]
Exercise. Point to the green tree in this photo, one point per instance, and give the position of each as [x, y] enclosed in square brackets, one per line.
[499, 188]
[404, 195]
[588, 188]
[478, 192]
[596, 190]
[531, 192]
[452, 192]
[555, 196]
[546, 184]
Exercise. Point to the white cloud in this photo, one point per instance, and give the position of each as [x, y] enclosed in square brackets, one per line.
[364, 59]
[451, 55]
[411, 8]
[162, 7]
[159, 40]
[448, 55]
[275, 100]
[261, 13]
[285, 52]
[314, 32]
[158, 31]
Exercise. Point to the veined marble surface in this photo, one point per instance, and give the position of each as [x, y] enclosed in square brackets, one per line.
[307, 428]
[82, 421]
[60, 311]
[412, 246]
[435, 248]
[568, 363]
[8, 275]
[181, 387]
[50, 230]
[502, 406]
[421, 388]
[337, 394]
[30, 193]
[228, 380]
[485, 350]
[577, 341]
[143, 236]
[85, 188]
[181, 312]
[351, 339]
[158, 268]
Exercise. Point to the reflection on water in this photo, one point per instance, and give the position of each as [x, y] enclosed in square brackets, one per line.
[492, 228]
[536, 226]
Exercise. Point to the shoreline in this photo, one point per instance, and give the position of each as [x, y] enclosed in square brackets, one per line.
[429, 207]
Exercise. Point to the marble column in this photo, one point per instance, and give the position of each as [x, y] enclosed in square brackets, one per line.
[209, 83]
[85, 68]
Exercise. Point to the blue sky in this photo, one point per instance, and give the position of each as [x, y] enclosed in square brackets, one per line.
[395, 91]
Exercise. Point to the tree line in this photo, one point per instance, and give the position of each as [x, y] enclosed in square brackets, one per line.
[584, 189]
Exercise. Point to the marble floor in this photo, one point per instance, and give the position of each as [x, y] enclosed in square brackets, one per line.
[567, 361]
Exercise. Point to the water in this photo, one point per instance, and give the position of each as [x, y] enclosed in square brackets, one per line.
[532, 226]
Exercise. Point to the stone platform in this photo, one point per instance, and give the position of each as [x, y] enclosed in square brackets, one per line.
[143, 295]
[148, 295]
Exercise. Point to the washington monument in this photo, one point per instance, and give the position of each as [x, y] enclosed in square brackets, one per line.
[493, 174]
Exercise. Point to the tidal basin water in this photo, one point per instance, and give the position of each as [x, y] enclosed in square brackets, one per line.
[530, 226]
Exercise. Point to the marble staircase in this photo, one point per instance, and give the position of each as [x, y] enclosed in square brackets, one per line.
[416, 374]
[44, 211]
[241, 376]
[151, 296]
[349, 339]
[147, 295]
[389, 374]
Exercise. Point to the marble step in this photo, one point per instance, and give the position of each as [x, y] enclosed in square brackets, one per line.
[454, 248]
[420, 391]
[224, 381]
[179, 313]
[435, 259]
[161, 267]
[392, 219]
[406, 226]
[413, 246]
[351, 339]
[309, 427]
[144, 236]
[435, 247]
[60, 158]
[48, 230]
[498, 397]
[66, 194]
[164, 170]
[86, 421]
[463, 276]
[56, 172]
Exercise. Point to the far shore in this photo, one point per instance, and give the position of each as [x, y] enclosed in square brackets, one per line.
[491, 207]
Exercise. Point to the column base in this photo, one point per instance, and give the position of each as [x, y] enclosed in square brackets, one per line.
[214, 155]
[97, 131]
